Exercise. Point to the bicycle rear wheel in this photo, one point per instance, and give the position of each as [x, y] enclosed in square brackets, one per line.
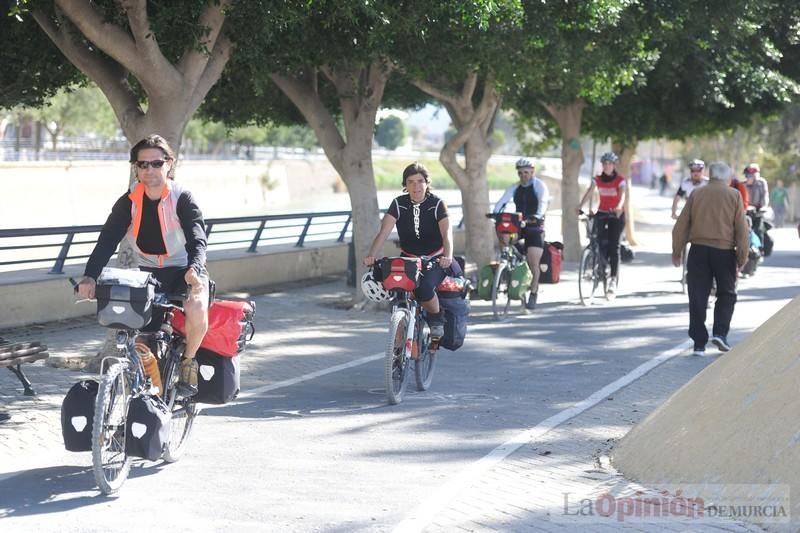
[396, 367]
[184, 411]
[587, 280]
[109, 462]
[425, 365]
[500, 300]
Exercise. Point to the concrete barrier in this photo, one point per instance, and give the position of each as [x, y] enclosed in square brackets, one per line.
[733, 432]
[35, 296]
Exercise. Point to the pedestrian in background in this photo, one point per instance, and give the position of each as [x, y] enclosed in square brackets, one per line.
[713, 221]
[779, 200]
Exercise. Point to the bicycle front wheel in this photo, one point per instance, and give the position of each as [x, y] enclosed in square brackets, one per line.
[184, 411]
[425, 364]
[500, 300]
[110, 464]
[587, 280]
[396, 367]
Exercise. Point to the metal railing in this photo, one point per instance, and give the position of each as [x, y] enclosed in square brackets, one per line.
[59, 246]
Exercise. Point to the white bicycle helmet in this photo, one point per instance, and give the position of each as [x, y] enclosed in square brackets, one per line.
[373, 289]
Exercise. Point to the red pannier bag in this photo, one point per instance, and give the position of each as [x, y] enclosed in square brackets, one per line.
[451, 287]
[230, 326]
[400, 272]
[550, 264]
[508, 222]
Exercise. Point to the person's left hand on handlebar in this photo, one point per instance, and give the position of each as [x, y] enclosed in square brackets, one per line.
[368, 261]
[86, 288]
[445, 261]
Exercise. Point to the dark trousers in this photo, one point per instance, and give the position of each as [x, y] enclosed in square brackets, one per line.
[426, 288]
[608, 229]
[704, 264]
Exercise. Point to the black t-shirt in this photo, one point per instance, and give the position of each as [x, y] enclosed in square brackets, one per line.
[149, 239]
[418, 224]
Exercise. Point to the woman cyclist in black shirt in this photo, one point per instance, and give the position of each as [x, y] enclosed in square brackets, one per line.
[424, 229]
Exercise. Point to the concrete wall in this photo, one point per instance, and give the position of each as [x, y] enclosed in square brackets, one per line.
[36, 296]
[732, 431]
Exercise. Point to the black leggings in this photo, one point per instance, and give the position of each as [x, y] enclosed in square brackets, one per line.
[608, 230]
[428, 281]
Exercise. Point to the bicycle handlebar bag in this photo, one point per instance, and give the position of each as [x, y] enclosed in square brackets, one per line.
[125, 298]
[508, 222]
[400, 272]
[147, 427]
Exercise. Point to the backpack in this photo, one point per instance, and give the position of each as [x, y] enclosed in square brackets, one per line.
[456, 316]
[521, 278]
[77, 416]
[230, 326]
[147, 427]
[486, 281]
[550, 264]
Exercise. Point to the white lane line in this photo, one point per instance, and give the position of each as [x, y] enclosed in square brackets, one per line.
[311, 375]
[418, 519]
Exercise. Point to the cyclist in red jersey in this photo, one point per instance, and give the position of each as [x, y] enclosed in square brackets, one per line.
[610, 217]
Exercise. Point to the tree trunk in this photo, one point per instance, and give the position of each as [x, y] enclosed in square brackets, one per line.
[568, 118]
[473, 131]
[351, 154]
[475, 199]
[626, 151]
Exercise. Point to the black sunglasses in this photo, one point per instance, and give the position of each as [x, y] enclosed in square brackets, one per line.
[156, 163]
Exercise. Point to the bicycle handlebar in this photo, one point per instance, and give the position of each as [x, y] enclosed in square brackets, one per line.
[162, 300]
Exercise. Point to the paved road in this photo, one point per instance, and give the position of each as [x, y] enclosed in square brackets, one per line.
[511, 423]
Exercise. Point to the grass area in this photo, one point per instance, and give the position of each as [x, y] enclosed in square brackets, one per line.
[389, 174]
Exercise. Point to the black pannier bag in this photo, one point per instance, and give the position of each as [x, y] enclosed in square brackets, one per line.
[124, 298]
[218, 377]
[77, 416]
[626, 254]
[456, 316]
[147, 427]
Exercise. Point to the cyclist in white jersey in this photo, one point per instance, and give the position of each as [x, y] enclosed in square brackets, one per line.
[695, 180]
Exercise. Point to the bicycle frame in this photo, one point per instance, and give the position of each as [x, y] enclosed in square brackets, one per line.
[405, 302]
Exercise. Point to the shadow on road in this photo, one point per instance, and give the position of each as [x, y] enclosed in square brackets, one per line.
[56, 489]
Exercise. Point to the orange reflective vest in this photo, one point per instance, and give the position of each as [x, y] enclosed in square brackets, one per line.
[171, 230]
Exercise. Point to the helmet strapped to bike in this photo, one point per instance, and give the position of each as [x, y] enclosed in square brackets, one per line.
[373, 289]
[524, 162]
[697, 164]
[609, 157]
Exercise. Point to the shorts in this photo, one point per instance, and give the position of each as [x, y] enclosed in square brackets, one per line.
[171, 282]
[534, 237]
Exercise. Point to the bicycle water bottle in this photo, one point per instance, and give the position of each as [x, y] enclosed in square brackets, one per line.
[150, 364]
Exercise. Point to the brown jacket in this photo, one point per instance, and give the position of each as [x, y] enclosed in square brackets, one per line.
[713, 216]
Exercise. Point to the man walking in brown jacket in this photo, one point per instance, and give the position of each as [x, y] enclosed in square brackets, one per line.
[713, 221]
